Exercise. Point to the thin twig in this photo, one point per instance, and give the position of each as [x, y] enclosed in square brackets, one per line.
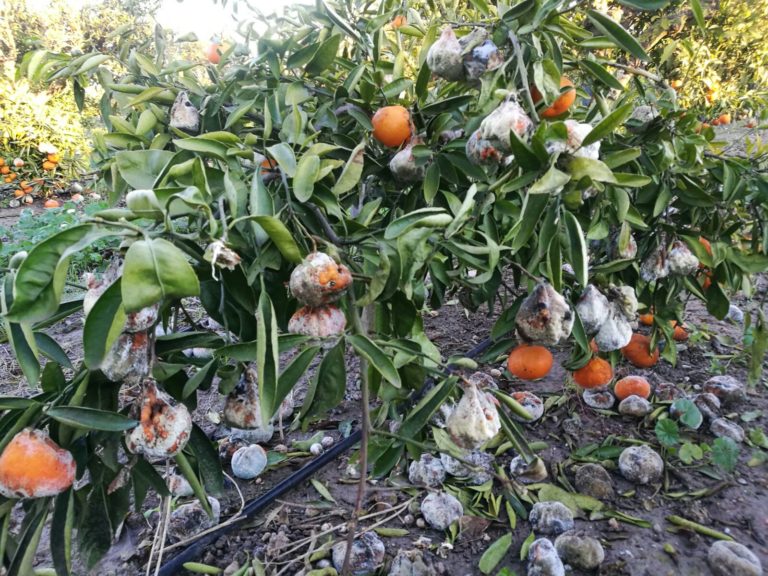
[163, 534]
[332, 236]
[525, 271]
[637, 72]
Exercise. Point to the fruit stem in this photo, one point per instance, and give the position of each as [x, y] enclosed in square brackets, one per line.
[365, 425]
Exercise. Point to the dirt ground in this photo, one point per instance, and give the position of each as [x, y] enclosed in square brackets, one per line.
[736, 504]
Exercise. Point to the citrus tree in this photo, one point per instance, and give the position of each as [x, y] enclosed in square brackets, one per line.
[374, 159]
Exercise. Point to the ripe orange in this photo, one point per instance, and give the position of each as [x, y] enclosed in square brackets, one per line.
[560, 105]
[595, 373]
[399, 21]
[11, 177]
[724, 119]
[392, 125]
[2, 161]
[18, 193]
[632, 386]
[5, 170]
[48, 165]
[646, 319]
[77, 197]
[676, 84]
[267, 166]
[707, 281]
[32, 466]
[212, 53]
[707, 245]
[680, 334]
[638, 351]
[530, 362]
[55, 158]
[51, 203]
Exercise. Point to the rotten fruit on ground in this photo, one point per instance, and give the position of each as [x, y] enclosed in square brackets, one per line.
[598, 398]
[544, 316]
[594, 374]
[366, 556]
[580, 550]
[532, 404]
[249, 461]
[392, 125]
[543, 559]
[475, 420]
[528, 472]
[632, 386]
[33, 466]
[184, 115]
[733, 559]
[164, 425]
[641, 464]
[639, 352]
[440, 510]
[427, 471]
[634, 405]
[320, 322]
[563, 102]
[529, 362]
[319, 280]
[550, 518]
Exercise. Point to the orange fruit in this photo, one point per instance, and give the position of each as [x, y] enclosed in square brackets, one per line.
[680, 334]
[707, 282]
[530, 362]
[399, 21]
[2, 161]
[212, 53]
[267, 166]
[48, 165]
[51, 203]
[392, 125]
[593, 346]
[32, 465]
[724, 119]
[595, 373]
[707, 245]
[638, 351]
[676, 84]
[54, 158]
[632, 386]
[18, 193]
[5, 170]
[12, 176]
[560, 105]
[646, 319]
[77, 197]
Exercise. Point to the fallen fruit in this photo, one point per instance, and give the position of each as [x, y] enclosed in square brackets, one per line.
[32, 466]
[646, 319]
[475, 420]
[680, 334]
[51, 203]
[529, 362]
[596, 373]
[212, 53]
[632, 386]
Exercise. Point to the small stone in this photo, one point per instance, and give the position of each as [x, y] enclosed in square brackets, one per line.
[723, 428]
[249, 461]
[735, 314]
[327, 441]
[580, 550]
[526, 473]
[599, 399]
[543, 559]
[708, 404]
[420, 523]
[667, 391]
[410, 563]
[634, 405]
[733, 559]
[440, 510]
[495, 373]
[727, 388]
[550, 518]
[316, 449]
[641, 464]
[408, 520]
[427, 471]
[233, 567]
[366, 556]
[324, 563]
[179, 486]
[594, 480]
[190, 519]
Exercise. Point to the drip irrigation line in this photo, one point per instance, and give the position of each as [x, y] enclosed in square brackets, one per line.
[196, 549]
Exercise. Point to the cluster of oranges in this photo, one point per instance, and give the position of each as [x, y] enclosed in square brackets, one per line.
[6, 171]
[29, 180]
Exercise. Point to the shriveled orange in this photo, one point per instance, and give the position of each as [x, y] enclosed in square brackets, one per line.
[632, 386]
[399, 21]
[392, 125]
[530, 362]
[51, 203]
[595, 373]
[48, 165]
[638, 351]
[212, 53]
[646, 319]
[561, 105]
[32, 466]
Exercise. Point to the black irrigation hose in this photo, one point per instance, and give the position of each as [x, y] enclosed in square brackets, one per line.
[195, 550]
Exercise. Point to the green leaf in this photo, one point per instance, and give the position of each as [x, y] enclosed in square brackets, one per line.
[285, 158]
[103, 325]
[717, 301]
[267, 360]
[533, 209]
[725, 454]
[698, 14]
[645, 4]
[495, 553]
[526, 545]
[667, 432]
[589, 168]
[326, 390]
[155, 269]
[16, 403]
[601, 74]
[281, 236]
[324, 56]
[322, 490]
[551, 183]
[376, 356]
[140, 168]
[91, 418]
[185, 467]
[689, 413]
[688, 453]
[620, 37]
[573, 500]
[463, 213]
[62, 522]
[306, 173]
[608, 124]
[207, 458]
[577, 249]
[421, 218]
[352, 171]
[39, 282]
[295, 370]
[203, 146]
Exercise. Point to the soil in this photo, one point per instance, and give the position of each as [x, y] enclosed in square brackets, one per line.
[736, 503]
